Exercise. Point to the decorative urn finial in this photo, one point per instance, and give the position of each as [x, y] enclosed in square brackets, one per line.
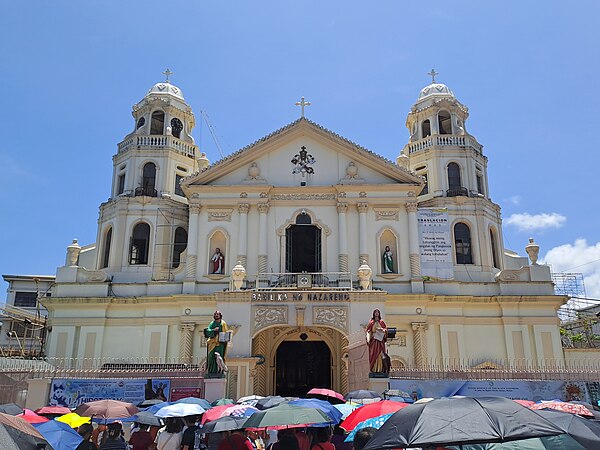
[73, 251]
[364, 276]
[533, 251]
[238, 273]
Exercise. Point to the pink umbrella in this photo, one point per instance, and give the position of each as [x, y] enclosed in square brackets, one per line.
[572, 408]
[53, 410]
[326, 394]
[32, 417]
[216, 412]
[526, 403]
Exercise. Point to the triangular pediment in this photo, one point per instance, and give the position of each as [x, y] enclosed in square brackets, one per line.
[337, 160]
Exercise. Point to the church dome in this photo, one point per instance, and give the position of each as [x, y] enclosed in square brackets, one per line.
[435, 90]
[166, 88]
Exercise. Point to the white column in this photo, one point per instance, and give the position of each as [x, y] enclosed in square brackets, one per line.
[192, 248]
[413, 239]
[362, 232]
[342, 208]
[243, 209]
[186, 342]
[420, 343]
[263, 209]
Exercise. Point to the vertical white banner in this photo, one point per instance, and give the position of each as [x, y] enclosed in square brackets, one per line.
[435, 243]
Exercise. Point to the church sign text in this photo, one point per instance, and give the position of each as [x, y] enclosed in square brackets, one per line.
[300, 296]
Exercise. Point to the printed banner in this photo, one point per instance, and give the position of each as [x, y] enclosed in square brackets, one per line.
[516, 390]
[72, 393]
[435, 243]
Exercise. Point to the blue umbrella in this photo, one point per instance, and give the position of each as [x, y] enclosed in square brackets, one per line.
[59, 435]
[374, 422]
[323, 405]
[346, 409]
[154, 408]
[196, 401]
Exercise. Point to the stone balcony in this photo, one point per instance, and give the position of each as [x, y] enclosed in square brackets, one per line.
[157, 142]
[443, 140]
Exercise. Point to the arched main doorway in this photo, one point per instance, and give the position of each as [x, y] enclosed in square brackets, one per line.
[300, 366]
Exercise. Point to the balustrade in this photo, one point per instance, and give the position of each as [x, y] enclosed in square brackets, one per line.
[158, 142]
[444, 140]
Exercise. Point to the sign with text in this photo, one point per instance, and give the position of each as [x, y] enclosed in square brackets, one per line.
[73, 392]
[435, 243]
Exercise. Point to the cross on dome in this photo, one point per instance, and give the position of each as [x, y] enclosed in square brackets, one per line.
[302, 104]
[433, 74]
[167, 73]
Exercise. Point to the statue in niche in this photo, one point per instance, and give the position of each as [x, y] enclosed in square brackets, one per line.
[376, 339]
[218, 262]
[388, 260]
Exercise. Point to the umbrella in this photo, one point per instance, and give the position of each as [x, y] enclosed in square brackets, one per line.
[270, 402]
[150, 402]
[369, 411]
[53, 411]
[59, 435]
[227, 423]
[32, 417]
[11, 408]
[155, 408]
[107, 409]
[526, 403]
[287, 415]
[362, 394]
[326, 394]
[323, 405]
[250, 400]
[228, 410]
[180, 410]
[593, 409]
[74, 420]
[346, 409]
[584, 431]
[223, 401]
[146, 418]
[375, 422]
[196, 401]
[460, 421]
[560, 442]
[572, 408]
[18, 434]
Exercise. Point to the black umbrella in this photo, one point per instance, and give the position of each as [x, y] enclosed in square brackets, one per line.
[458, 421]
[361, 394]
[584, 431]
[270, 402]
[227, 423]
[150, 402]
[11, 408]
[18, 434]
[145, 417]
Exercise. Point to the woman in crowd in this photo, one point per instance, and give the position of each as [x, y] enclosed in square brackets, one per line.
[114, 438]
[170, 437]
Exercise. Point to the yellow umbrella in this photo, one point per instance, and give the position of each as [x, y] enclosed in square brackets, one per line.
[74, 420]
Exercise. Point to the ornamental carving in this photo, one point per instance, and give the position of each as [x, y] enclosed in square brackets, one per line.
[362, 207]
[521, 274]
[270, 315]
[342, 208]
[243, 208]
[386, 214]
[307, 196]
[336, 317]
[92, 275]
[219, 215]
[263, 208]
[195, 208]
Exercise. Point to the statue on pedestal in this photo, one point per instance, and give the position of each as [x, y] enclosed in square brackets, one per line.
[217, 337]
[376, 339]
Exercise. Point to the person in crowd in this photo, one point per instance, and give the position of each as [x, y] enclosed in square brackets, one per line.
[363, 436]
[376, 339]
[287, 442]
[170, 437]
[85, 431]
[321, 439]
[235, 440]
[339, 435]
[304, 441]
[141, 439]
[113, 438]
[189, 433]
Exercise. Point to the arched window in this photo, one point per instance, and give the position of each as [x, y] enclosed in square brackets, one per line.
[462, 244]
[140, 244]
[494, 249]
[179, 246]
[176, 127]
[454, 176]
[425, 129]
[106, 254]
[158, 123]
[141, 122]
[444, 122]
[149, 179]
[303, 219]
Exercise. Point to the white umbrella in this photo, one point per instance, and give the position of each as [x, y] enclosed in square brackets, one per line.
[180, 410]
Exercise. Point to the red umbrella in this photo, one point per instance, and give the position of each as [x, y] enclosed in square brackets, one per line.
[572, 408]
[216, 412]
[327, 394]
[32, 417]
[107, 409]
[53, 410]
[370, 411]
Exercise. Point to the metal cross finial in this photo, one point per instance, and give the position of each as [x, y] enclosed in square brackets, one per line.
[302, 104]
[433, 74]
[167, 73]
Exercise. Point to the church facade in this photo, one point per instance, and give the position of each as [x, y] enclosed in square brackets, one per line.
[296, 239]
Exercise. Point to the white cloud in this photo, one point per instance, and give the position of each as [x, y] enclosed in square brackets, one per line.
[515, 199]
[578, 257]
[528, 222]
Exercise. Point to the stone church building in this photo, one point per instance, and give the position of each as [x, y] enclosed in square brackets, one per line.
[296, 239]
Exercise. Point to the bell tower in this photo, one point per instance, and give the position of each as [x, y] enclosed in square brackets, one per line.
[454, 167]
[143, 226]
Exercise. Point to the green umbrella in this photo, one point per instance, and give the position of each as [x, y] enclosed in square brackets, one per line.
[223, 401]
[286, 415]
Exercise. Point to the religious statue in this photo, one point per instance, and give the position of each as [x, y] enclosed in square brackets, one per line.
[218, 261]
[388, 260]
[217, 337]
[376, 339]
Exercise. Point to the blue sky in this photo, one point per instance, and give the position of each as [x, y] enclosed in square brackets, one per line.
[71, 71]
